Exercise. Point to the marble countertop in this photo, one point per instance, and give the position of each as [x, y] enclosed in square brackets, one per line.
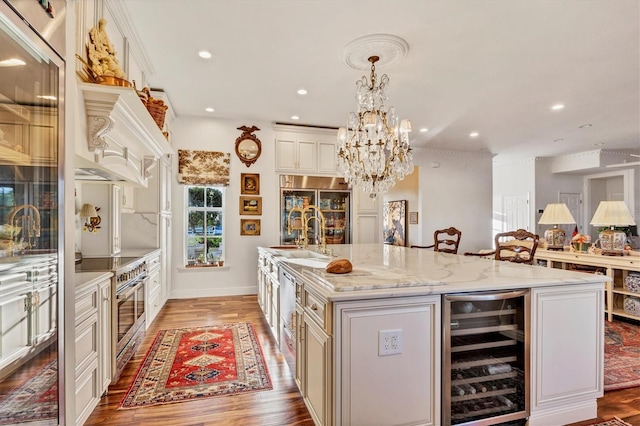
[380, 269]
[87, 278]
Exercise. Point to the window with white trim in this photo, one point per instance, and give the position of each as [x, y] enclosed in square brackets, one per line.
[204, 233]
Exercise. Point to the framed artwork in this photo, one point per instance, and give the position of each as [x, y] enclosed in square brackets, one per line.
[251, 205]
[394, 219]
[250, 184]
[413, 218]
[249, 226]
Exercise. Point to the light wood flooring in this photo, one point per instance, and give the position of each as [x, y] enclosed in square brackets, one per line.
[282, 406]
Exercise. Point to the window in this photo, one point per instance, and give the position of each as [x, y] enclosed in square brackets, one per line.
[204, 237]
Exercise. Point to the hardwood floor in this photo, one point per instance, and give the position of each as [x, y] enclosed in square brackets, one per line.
[282, 406]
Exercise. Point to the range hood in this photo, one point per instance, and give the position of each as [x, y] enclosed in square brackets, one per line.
[123, 142]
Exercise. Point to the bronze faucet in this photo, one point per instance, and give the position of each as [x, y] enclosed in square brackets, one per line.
[303, 239]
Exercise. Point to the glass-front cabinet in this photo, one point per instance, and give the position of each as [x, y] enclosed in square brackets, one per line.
[31, 81]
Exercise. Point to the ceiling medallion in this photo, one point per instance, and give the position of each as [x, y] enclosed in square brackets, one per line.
[389, 48]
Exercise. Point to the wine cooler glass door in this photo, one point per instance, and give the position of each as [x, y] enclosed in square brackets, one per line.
[486, 358]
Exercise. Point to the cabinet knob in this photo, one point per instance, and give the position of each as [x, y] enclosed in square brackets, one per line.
[314, 307]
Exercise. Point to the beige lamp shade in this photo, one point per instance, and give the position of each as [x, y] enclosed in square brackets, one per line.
[555, 214]
[612, 213]
[88, 210]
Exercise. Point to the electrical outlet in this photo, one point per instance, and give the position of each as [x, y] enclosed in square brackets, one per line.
[389, 342]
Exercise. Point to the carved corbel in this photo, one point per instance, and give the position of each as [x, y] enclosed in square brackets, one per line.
[149, 163]
[98, 126]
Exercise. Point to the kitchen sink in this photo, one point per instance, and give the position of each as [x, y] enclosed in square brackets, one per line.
[302, 254]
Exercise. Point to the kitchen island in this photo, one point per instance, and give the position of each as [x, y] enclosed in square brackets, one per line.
[333, 331]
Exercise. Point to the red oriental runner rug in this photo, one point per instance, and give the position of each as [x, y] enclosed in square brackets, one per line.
[621, 355]
[34, 400]
[194, 363]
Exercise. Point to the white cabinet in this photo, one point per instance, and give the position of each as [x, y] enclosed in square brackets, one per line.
[316, 372]
[28, 320]
[367, 228]
[165, 259]
[153, 303]
[305, 150]
[268, 291]
[92, 342]
[115, 221]
[128, 199]
[296, 155]
[567, 340]
[156, 197]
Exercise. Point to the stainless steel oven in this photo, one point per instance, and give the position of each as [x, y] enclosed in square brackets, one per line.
[130, 314]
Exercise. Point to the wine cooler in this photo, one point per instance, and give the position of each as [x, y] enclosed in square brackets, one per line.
[485, 358]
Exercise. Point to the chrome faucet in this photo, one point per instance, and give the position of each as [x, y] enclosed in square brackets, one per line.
[303, 239]
[30, 227]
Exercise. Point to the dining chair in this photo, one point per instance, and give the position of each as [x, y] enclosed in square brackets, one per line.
[514, 246]
[445, 240]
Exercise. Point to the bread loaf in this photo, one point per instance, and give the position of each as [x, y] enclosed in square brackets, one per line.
[339, 266]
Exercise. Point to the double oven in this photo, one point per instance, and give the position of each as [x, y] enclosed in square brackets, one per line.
[128, 286]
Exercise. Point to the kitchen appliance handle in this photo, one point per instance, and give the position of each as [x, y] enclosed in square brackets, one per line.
[486, 296]
[132, 288]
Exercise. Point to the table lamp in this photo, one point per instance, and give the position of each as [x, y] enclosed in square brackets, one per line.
[612, 214]
[555, 214]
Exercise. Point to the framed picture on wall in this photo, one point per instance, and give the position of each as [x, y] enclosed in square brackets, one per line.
[413, 218]
[249, 226]
[249, 184]
[251, 205]
[394, 223]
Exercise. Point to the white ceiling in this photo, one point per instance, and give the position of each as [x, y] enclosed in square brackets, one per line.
[495, 67]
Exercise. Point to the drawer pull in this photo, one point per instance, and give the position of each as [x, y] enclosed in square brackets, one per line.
[314, 307]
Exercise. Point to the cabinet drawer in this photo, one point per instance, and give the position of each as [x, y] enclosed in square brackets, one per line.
[153, 262]
[317, 308]
[86, 304]
[86, 347]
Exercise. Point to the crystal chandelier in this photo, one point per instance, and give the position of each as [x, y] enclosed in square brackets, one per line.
[374, 151]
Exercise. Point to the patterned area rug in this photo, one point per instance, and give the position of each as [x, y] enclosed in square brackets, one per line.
[621, 355]
[193, 363]
[34, 400]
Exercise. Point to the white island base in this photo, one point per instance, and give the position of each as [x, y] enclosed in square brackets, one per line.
[337, 320]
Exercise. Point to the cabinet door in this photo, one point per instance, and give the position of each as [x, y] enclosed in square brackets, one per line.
[165, 258]
[300, 352]
[45, 299]
[316, 377]
[116, 208]
[14, 326]
[286, 156]
[567, 332]
[327, 157]
[367, 229]
[307, 156]
[104, 343]
[165, 185]
[128, 199]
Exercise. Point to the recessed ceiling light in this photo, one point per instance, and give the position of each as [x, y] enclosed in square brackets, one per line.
[209, 109]
[557, 107]
[47, 97]
[204, 54]
[302, 91]
[12, 62]
[295, 117]
[558, 140]
[598, 144]
[474, 134]
[424, 130]
[584, 126]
